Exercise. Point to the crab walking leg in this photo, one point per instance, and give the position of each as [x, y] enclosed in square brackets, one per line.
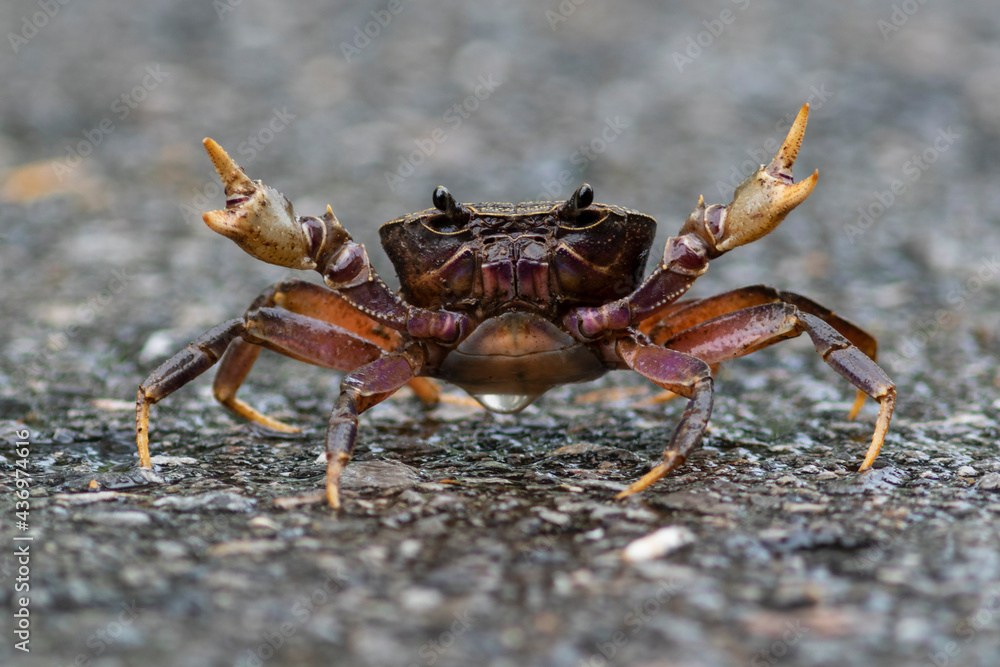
[682, 374]
[296, 336]
[360, 390]
[176, 372]
[688, 314]
[319, 303]
[744, 331]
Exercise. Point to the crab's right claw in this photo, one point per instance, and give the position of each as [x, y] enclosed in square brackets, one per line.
[760, 202]
[261, 221]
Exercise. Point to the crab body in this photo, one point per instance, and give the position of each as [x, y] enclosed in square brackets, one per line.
[515, 271]
[508, 301]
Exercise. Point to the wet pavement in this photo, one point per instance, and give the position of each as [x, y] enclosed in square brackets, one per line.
[470, 538]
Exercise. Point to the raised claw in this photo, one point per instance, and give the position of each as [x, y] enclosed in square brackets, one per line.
[259, 218]
[760, 202]
[763, 200]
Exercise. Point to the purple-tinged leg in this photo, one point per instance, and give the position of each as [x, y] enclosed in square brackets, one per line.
[287, 333]
[360, 390]
[744, 331]
[320, 303]
[685, 315]
[682, 374]
[200, 355]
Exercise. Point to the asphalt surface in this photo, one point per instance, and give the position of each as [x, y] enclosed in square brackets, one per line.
[469, 538]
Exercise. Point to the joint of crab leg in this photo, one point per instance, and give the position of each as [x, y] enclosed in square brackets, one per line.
[441, 325]
[759, 203]
[587, 323]
[349, 267]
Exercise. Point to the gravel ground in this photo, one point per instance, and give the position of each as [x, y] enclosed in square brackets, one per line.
[470, 538]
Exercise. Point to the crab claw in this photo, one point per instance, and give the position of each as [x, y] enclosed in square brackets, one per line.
[259, 218]
[761, 201]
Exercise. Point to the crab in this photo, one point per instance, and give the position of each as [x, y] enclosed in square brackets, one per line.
[507, 301]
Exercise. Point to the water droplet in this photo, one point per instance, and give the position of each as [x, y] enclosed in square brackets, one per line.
[505, 403]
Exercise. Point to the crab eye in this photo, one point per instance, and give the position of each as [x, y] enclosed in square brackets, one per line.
[575, 213]
[443, 201]
[583, 197]
[453, 217]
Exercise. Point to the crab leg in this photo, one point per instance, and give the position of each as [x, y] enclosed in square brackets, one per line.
[317, 302]
[261, 221]
[296, 336]
[361, 389]
[741, 332]
[682, 374]
[759, 205]
[176, 372]
[684, 315]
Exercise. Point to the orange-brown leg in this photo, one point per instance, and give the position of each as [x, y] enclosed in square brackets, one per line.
[741, 332]
[317, 302]
[689, 313]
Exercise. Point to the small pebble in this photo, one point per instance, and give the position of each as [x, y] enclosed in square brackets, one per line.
[558, 518]
[658, 544]
[989, 482]
[124, 518]
[967, 471]
[263, 524]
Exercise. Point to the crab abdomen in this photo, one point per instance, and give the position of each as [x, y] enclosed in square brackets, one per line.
[512, 359]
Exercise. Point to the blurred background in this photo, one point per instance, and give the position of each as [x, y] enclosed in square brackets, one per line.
[107, 267]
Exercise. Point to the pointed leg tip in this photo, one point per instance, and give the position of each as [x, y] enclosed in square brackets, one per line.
[333, 498]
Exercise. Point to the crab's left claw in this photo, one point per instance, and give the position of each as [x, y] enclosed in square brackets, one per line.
[259, 218]
[760, 202]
